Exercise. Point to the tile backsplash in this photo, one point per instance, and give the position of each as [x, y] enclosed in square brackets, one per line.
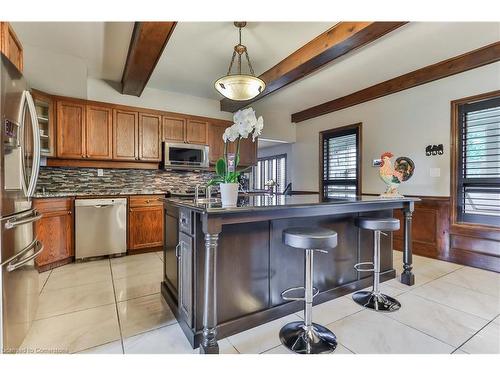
[81, 181]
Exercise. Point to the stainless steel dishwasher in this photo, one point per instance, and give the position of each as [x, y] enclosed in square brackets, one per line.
[101, 227]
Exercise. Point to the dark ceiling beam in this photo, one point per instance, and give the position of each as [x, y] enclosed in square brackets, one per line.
[470, 60]
[326, 47]
[146, 46]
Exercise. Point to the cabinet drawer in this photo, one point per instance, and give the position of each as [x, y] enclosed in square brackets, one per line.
[52, 204]
[185, 221]
[145, 200]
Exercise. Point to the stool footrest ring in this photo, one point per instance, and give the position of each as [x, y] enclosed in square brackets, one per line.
[359, 267]
[289, 290]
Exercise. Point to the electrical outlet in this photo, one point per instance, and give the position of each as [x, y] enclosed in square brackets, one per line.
[435, 172]
[100, 172]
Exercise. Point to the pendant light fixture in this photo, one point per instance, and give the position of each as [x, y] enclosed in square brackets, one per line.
[240, 86]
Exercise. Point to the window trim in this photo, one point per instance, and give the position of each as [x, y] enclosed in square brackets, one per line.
[271, 157]
[358, 127]
[457, 226]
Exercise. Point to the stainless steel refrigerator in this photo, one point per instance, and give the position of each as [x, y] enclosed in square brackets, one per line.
[19, 167]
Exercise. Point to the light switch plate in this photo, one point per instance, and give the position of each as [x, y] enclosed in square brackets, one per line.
[100, 172]
[435, 172]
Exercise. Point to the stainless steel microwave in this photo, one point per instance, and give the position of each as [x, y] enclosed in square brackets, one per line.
[184, 156]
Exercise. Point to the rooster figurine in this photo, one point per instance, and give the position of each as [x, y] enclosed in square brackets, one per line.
[393, 175]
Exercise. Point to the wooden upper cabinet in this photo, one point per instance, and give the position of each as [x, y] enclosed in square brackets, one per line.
[248, 152]
[45, 112]
[196, 132]
[70, 130]
[215, 132]
[173, 129]
[125, 135]
[149, 137]
[10, 45]
[99, 131]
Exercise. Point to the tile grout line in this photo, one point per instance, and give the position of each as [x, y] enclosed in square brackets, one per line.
[470, 338]
[45, 283]
[116, 307]
[451, 307]
[72, 312]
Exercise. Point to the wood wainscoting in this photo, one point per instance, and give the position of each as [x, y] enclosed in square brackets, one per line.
[434, 237]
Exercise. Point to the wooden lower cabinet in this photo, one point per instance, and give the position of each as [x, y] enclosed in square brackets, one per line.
[55, 231]
[145, 224]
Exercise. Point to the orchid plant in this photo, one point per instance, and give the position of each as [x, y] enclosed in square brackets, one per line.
[245, 125]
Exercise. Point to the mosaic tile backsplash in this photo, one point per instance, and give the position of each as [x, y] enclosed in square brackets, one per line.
[56, 182]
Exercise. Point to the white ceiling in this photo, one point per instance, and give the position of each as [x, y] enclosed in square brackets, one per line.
[408, 48]
[198, 53]
[102, 45]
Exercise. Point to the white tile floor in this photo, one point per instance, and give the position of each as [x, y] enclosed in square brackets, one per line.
[114, 307]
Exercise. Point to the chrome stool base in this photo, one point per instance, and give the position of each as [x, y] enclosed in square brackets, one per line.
[378, 302]
[319, 340]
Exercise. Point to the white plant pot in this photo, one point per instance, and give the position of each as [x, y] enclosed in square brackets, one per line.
[229, 194]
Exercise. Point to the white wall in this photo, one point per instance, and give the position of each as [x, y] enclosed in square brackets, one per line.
[277, 125]
[403, 123]
[67, 75]
[105, 91]
[55, 73]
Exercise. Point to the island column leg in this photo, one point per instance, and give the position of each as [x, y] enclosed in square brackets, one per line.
[407, 277]
[209, 343]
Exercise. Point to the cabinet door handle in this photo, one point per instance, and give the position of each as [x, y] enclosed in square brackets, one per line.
[177, 254]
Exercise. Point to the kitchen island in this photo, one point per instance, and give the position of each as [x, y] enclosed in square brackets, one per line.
[225, 268]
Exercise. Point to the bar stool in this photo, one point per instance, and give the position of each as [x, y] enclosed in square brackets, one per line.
[306, 337]
[374, 299]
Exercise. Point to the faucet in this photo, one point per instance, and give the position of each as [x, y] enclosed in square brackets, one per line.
[208, 192]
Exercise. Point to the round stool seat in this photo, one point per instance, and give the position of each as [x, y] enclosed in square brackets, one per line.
[389, 224]
[310, 238]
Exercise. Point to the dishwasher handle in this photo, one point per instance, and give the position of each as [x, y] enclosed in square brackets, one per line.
[103, 205]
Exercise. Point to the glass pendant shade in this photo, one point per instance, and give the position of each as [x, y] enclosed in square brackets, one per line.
[240, 87]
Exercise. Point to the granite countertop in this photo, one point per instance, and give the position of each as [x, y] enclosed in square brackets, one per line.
[62, 194]
[272, 202]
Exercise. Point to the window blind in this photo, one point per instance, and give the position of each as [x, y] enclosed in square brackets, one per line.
[478, 182]
[270, 168]
[340, 164]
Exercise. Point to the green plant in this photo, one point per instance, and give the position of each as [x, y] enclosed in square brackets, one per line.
[223, 175]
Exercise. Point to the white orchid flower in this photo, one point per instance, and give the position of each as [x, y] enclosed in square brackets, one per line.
[245, 123]
[231, 134]
[258, 128]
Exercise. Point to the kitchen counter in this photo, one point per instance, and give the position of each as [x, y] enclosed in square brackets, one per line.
[266, 202]
[98, 193]
[225, 267]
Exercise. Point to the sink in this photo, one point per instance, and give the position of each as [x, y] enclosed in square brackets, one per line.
[206, 200]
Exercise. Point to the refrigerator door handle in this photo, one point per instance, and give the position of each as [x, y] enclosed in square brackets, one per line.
[21, 253]
[12, 223]
[39, 248]
[36, 144]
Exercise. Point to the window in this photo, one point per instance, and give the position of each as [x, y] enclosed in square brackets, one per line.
[270, 168]
[478, 160]
[340, 162]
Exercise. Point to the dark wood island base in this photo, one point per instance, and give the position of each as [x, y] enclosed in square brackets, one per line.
[225, 268]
